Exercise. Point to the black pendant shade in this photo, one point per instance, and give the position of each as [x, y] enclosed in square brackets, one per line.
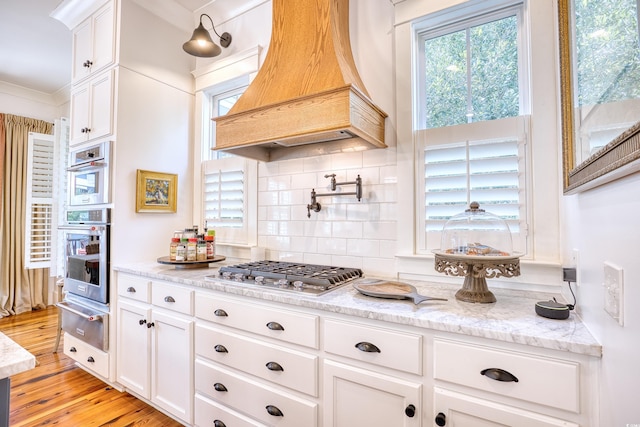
[202, 45]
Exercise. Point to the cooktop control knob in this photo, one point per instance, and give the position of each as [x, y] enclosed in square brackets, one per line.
[259, 280]
[239, 277]
[298, 285]
[282, 283]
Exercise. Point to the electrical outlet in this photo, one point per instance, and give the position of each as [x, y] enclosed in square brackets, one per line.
[575, 263]
[614, 291]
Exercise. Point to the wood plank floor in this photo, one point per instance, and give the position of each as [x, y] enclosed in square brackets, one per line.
[58, 393]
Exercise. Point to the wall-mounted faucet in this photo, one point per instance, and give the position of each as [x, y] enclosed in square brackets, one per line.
[315, 206]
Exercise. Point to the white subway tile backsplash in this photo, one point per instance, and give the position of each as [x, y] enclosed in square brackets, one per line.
[363, 247]
[345, 232]
[379, 230]
[346, 229]
[333, 246]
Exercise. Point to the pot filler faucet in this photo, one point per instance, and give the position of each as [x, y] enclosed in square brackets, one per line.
[315, 206]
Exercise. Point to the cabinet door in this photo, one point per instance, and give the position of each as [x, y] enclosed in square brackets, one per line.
[100, 106]
[81, 50]
[172, 364]
[103, 37]
[134, 351]
[358, 397]
[459, 410]
[79, 114]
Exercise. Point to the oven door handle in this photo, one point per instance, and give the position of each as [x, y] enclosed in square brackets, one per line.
[82, 227]
[88, 317]
[87, 165]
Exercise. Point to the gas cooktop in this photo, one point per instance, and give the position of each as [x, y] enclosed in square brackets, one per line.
[288, 276]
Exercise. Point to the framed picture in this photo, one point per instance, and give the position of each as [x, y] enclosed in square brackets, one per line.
[156, 192]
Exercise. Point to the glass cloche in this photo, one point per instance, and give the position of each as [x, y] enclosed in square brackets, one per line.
[476, 245]
[476, 232]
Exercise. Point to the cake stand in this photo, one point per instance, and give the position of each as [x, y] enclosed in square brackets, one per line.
[476, 269]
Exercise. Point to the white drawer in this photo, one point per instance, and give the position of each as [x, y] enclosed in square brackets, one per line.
[285, 325]
[253, 398]
[86, 355]
[172, 297]
[285, 367]
[546, 381]
[134, 287]
[207, 412]
[384, 347]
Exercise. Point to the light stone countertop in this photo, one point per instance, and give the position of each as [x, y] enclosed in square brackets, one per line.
[511, 319]
[13, 358]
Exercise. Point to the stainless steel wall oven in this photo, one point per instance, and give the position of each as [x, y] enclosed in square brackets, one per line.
[85, 309]
[89, 175]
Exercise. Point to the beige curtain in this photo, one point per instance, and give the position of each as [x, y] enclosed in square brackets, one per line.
[20, 289]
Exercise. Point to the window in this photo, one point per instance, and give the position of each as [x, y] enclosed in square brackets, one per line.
[472, 133]
[227, 179]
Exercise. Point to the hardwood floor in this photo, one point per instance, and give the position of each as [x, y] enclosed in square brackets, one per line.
[58, 393]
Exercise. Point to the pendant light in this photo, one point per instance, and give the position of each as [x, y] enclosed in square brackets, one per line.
[201, 44]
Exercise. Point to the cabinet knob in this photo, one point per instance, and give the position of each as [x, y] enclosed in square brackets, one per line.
[273, 410]
[169, 298]
[131, 290]
[499, 375]
[73, 350]
[275, 326]
[90, 359]
[274, 366]
[410, 411]
[218, 423]
[220, 313]
[367, 347]
[142, 321]
[441, 419]
[151, 324]
[219, 387]
[87, 64]
[220, 348]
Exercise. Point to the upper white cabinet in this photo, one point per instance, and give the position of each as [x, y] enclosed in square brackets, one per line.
[94, 43]
[92, 108]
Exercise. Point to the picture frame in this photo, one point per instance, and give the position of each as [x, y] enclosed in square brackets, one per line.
[156, 192]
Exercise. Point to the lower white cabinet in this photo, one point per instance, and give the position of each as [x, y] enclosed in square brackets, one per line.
[461, 410]
[361, 397]
[155, 357]
[86, 355]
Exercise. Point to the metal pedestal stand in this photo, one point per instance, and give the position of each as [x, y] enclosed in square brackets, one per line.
[475, 270]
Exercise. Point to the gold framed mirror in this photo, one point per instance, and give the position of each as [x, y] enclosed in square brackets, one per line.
[600, 91]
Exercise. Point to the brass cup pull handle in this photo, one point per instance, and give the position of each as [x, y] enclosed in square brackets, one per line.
[499, 375]
[131, 290]
[219, 387]
[275, 326]
[169, 298]
[367, 347]
[220, 348]
[90, 359]
[73, 350]
[274, 366]
[220, 313]
[273, 410]
[218, 423]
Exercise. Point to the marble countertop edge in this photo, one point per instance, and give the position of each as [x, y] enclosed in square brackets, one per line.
[511, 319]
[13, 358]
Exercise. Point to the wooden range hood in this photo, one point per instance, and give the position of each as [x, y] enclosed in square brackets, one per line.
[307, 98]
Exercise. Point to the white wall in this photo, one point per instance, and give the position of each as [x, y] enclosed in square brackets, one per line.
[602, 225]
[25, 102]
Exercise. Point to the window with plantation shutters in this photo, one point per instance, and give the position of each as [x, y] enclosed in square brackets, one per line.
[226, 198]
[40, 203]
[484, 162]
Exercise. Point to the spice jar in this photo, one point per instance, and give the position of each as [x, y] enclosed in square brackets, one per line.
[201, 249]
[173, 248]
[181, 250]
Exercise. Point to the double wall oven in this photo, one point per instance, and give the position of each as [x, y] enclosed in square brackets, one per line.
[86, 239]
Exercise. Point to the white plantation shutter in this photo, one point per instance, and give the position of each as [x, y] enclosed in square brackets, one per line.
[226, 198]
[40, 209]
[483, 162]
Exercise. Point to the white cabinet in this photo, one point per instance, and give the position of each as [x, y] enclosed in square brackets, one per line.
[489, 384]
[86, 355]
[155, 347]
[460, 410]
[93, 45]
[92, 108]
[357, 393]
[362, 397]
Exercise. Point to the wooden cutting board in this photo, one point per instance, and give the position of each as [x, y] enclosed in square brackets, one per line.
[393, 290]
